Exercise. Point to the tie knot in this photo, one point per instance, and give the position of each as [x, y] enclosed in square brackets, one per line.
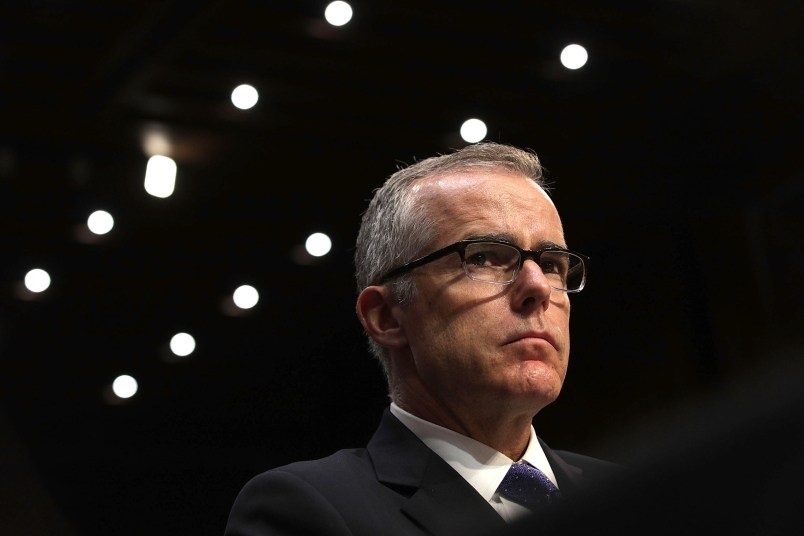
[528, 486]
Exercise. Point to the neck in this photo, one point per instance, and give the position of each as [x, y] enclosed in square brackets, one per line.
[505, 432]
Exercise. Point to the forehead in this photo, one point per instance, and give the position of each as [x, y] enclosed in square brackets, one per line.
[489, 201]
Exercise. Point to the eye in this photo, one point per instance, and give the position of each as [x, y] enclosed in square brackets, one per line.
[556, 263]
[480, 258]
[490, 255]
[548, 267]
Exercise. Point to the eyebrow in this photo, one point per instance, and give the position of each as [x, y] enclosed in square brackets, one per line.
[510, 239]
[499, 237]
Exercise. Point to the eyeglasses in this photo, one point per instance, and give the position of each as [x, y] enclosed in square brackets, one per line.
[498, 262]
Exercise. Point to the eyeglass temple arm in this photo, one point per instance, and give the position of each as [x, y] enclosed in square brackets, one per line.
[421, 261]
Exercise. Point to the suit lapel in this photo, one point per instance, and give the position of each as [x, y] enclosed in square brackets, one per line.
[569, 477]
[439, 499]
[446, 504]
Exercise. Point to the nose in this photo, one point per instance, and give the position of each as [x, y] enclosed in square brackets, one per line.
[531, 288]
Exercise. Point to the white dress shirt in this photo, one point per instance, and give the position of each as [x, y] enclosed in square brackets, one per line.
[480, 465]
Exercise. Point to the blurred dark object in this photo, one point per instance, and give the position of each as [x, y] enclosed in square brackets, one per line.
[731, 464]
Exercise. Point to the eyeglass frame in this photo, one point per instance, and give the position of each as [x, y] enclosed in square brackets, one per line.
[460, 246]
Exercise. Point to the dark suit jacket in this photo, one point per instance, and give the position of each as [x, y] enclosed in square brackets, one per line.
[395, 486]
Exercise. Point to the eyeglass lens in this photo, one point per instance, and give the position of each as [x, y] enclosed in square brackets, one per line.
[498, 263]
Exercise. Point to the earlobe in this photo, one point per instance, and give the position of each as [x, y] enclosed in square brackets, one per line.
[375, 310]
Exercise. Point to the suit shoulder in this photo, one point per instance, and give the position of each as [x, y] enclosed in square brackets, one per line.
[293, 499]
[344, 465]
[593, 467]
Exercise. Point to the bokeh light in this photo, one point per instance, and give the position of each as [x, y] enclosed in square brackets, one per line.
[155, 140]
[338, 13]
[246, 296]
[473, 130]
[318, 244]
[182, 344]
[160, 176]
[124, 386]
[37, 280]
[574, 56]
[100, 222]
[245, 96]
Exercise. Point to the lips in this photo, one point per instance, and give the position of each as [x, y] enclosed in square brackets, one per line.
[525, 336]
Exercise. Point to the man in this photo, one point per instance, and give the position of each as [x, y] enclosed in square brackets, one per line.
[464, 281]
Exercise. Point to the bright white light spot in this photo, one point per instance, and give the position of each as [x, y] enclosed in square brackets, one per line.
[338, 13]
[245, 96]
[574, 57]
[100, 222]
[318, 244]
[37, 280]
[160, 176]
[182, 344]
[473, 130]
[124, 386]
[246, 296]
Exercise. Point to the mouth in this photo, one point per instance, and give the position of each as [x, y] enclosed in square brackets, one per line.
[530, 337]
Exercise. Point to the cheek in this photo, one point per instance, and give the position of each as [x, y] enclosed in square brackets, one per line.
[561, 320]
[455, 322]
[562, 371]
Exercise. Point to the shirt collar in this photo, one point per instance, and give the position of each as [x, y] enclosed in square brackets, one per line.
[480, 465]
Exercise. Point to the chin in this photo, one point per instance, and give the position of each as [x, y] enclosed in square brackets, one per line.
[545, 390]
[546, 373]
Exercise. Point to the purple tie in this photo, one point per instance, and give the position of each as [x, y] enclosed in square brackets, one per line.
[528, 486]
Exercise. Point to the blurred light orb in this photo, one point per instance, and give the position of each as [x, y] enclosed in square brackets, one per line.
[156, 141]
[338, 13]
[100, 222]
[124, 386]
[318, 244]
[160, 176]
[574, 56]
[473, 130]
[37, 280]
[245, 96]
[182, 344]
[246, 296]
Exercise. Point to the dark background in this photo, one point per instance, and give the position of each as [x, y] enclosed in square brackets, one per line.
[675, 156]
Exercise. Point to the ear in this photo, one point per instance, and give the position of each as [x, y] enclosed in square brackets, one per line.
[376, 308]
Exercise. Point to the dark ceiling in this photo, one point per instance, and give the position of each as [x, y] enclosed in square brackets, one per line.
[675, 155]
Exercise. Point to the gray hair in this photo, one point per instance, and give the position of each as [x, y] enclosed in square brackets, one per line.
[395, 228]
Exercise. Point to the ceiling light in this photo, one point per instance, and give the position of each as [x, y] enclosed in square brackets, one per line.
[100, 222]
[124, 386]
[318, 244]
[246, 296]
[245, 96]
[37, 280]
[182, 344]
[574, 56]
[160, 176]
[473, 130]
[338, 13]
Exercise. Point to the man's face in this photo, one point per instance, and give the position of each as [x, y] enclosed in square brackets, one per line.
[477, 346]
